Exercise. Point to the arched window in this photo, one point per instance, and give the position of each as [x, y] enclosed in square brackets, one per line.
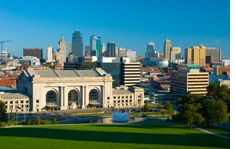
[73, 97]
[93, 96]
[51, 98]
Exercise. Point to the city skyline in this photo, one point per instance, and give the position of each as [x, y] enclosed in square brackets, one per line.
[131, 26]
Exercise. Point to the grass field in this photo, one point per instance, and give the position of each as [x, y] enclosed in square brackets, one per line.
[170, 136]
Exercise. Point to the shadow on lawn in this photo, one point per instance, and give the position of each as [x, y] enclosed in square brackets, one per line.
[117, 137]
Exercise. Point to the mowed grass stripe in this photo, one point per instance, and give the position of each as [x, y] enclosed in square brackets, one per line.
[106, 136]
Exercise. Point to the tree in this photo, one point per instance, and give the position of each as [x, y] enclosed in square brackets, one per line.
[3, 112]
[146, 108]
[38, 121]
[189, 110]
[169, 109]
[218, 92]
[214, 111]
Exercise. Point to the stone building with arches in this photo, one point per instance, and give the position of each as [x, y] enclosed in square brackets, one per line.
[65, 89]
[75, 89]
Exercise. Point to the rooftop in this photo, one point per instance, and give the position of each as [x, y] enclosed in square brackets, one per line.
[121, 92]
[12, 96]
[64, 73]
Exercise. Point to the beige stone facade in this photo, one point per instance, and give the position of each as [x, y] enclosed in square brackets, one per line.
[72, 89]
[126, 98]
[15, 102]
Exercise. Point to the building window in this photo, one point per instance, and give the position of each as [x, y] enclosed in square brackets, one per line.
[93, 96]
[122, 97]
[126, 97]
[11, 102]
[114, 97]
[126, 100]
[37, 101]
[122, 100]
[51, 98]
[72, 97]
[108, 98]
[118, 97]
[130, 100]
[118, 101]
[22, 101]
[130, 96]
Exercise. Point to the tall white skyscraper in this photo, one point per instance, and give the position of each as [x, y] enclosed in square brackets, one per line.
[103, 49]
[49, 55]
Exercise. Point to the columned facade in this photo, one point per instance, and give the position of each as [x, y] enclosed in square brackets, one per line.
[66, 89]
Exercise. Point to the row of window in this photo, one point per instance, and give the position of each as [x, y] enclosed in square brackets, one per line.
[118, 97]
[122, 101]
[16, 102]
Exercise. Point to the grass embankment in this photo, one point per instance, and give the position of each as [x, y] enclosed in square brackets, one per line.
[109, 136]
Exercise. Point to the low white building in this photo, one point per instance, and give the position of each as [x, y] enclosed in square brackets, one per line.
[15, 102]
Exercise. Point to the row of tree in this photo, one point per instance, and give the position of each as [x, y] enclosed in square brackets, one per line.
[205, 110]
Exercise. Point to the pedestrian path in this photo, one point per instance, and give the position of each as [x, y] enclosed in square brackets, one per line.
[212, 133]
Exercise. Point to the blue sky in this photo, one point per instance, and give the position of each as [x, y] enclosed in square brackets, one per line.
[130, 23]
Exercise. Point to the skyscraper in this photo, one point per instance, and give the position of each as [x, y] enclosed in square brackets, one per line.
[61, 52]
[150, 50]
[196, 55]
[121, 52]
[49, 55]
[96, 46]
[111, 49]
[87, 51]
[131, 54]
[77, 44]
[215, 53]
[167, 49]
[103, 49]
[175, 53]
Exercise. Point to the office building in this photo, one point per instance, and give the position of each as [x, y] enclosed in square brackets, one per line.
[130, 73]
[189, 81]
[103, 50]
[167, 49]
[87, 51]
[121, 52]
[215, 53]
[36, 52]
[175, 53]
[61, 52]
[196, 55]
[111, 49]
[70, 48]
[131, 54]
[150, 50]
[49, 55]
[95, 46]
[77, 44]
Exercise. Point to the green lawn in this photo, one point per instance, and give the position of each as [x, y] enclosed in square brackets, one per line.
[171, 136]
[220, 131]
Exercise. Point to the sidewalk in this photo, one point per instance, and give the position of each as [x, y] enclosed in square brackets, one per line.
[212, 133]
